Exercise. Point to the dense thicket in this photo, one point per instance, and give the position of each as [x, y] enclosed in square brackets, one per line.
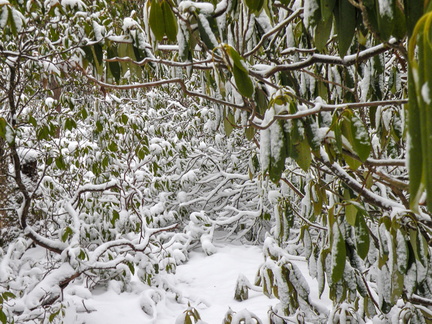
[132, 131]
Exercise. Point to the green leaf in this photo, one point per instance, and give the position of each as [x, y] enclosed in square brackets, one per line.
[66, 234]
[3, 127]
[141, 153]
[362, 236]
[31, 120]
[254, 6]
[3, 318]
[351, 127]
[354, 164]
[303, 155]
[113, 147]
[350, 214]
[114, 67]
[413, 12]
[82, 255]
[98, 53]
[70, 124]
[338, 133]
[345, 18]
[327, 7]
[241, 290]
[11, 21]
[99, 126]
[267, 281]
[229, 123]
[338, 254]
[360, 138]
[250, 133]
[169, 21]
[400, 28]
[123, 50]
[188, 319]
[98, 61]
[195, 314]
[261, 99]
[420, 247]
[322, 33]
[210, 40]
[53, 316]
[60, 163]
[88, 54]
[235, 56]
[311, 132]
[243, 82]
[131, 267]
[419, 115]
[321, 278]
[385, 18]
[8, 295]
[115, 217]
[156, 20]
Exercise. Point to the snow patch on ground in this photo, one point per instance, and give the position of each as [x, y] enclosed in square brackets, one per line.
[206, 282]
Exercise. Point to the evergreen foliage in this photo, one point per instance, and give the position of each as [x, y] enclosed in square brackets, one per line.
[133, 131]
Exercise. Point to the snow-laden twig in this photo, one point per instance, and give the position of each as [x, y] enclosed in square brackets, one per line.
[164, 82]
[326, 59]
[92, 188]
[368, 195]
[51, 245]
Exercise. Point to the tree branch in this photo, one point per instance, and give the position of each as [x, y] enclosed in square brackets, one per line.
[164, 82]
[327, 59]
[369, 196]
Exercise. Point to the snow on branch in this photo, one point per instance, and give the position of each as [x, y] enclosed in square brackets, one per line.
[93, 188]
[327, 59]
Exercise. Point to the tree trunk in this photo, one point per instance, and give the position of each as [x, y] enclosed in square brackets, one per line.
[5, 192]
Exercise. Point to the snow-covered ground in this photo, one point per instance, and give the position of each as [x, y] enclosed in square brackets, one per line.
[206, 283]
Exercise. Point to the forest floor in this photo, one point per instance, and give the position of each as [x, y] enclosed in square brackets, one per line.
[207, 283]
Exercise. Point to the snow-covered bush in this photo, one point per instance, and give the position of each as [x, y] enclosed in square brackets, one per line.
[132, 132]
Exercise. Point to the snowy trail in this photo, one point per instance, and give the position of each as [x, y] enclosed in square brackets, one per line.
[206, 282]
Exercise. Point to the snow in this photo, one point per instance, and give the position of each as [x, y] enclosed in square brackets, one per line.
[73, 3]
[203, 8]
[98, 30]
[27, 154]
[19, 19]
[426, 93]
[385, 8]
[310, 7]
[265, 148]
[207, 283]
[205, 24]
[129, 23]
[4, 14]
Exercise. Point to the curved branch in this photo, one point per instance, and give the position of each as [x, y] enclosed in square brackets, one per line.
[327, 59]
[164, 82]
[93, 188]
[200, 65]
[369, 196]
[53, 246]
[319, 107]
